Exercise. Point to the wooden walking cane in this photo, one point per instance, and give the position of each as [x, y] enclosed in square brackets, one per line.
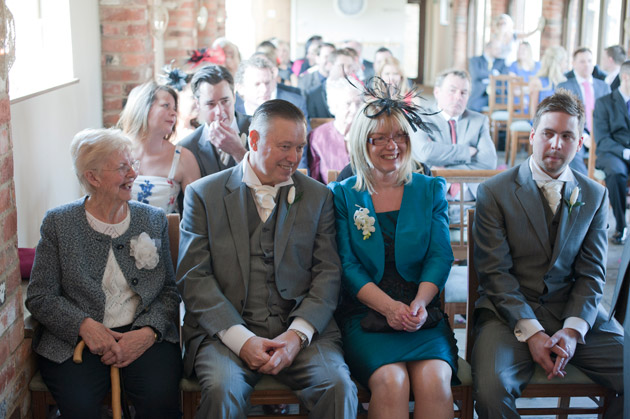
[114, 376]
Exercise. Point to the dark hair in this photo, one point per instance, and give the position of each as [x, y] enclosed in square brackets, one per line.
[212, 74]
[325, 44]
[384, 49]
[309, 41]
[617, 53]
[462, 74]
[580, 51]
[625, 67]
[561, 101]
[275, 108]
[348, 52]
[266, 44]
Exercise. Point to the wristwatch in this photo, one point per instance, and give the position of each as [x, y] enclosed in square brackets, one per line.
[303, 338]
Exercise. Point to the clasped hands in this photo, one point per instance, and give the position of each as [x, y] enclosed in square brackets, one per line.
[409, 318]
[270, 356]
[117, 349]
[563, 344]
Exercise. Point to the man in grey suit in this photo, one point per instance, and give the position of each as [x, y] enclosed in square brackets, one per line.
[540, 252]
[260, 276]
[480, 69]
[221, 141]
[465, 145]
[315, 75]
[612, 127]
[588, 89]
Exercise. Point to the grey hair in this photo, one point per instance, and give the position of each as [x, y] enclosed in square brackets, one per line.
[255, 61]
[462, 74]
[90, 147]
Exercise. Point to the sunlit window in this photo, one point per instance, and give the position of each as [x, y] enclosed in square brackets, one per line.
[526, 15]
[43, 45]
[612, 24]
[590, 25]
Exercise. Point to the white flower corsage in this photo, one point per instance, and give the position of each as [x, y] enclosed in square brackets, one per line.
[573, 202]
[291, 198]
[364, 222]
[144, 250]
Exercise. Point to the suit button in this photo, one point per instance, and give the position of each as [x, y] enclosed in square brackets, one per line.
[120, 246]
[134, 281]
[146, 309]
[265, 230]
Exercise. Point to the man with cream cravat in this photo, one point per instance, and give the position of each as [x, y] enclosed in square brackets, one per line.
[260, 275]
[459, 138]
[588, 89]
[540, 252]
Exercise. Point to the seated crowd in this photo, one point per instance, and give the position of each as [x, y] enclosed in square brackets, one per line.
[315, 282]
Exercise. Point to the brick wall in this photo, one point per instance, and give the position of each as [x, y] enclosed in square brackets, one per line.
[127, 43]
[552, 34]
[16, 364]
[460, 37]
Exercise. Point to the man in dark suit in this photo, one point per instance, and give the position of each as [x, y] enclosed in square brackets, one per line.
[540, 252]
[316, 75]
[612, 133]
[364, 68]
[480, 69]
[220, 142]
[588, 89]
[342, 61]
[612, 59]
[260, 276]
[620, 309]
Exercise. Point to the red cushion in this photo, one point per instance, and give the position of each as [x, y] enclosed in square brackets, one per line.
[26, 256]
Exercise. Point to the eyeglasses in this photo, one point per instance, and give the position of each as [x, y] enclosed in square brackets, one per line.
[399, 138]
[124, 168]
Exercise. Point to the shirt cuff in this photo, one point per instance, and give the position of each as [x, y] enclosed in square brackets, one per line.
[526, 328]
[304, 327]
[577, 324]
[235, 337]
[626, 153]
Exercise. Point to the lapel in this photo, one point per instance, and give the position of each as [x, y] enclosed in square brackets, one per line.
[373, 249]
[462, 128]
[529, 198]
[577, 90]
[235, 206]
[567, 222]
[285, 218]
[207, 149]
[620, 105]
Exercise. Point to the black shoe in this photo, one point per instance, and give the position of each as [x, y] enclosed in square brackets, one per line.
[620, 236]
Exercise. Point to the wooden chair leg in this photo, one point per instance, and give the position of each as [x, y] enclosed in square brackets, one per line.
[563, 402]
[38, 403]
[508, 146]
[514, 144]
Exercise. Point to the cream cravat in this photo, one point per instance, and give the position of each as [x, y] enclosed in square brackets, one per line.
[552, 190]
[265, 198]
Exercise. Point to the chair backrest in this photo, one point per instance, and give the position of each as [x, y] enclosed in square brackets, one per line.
[332, 175]
[518, 98]
[473, 288]
[459, 235]
[498, 92]
[316, 122]
[173, 236]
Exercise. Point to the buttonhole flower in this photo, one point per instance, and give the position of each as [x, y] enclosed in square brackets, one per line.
[364, 222]
[292, 198]
[573, 200]
[144, 250]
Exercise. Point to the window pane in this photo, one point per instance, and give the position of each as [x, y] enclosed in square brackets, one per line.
[612, 24]
[412, 35]
[590, 25]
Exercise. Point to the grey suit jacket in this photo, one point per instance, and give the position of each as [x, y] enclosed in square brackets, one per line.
[436, 148]
[213, 267]
[285, 93]
[600, 88]
[70, 260]
[205, 153]
[518, 268]
[611, 125]
[308, 81]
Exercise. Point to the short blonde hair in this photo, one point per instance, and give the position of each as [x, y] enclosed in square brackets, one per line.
[134, 118]
[403, 89]
[362, 127]
[90, 147]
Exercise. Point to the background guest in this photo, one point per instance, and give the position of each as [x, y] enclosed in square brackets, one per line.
[310, 52]
[612, 59]
[480, 68]
[392, 73]
[327, 143]
[149, 119]
[316, 75]
[232, 54]
[392, 275]
[90, 281]
[552, 68]
[525, 66]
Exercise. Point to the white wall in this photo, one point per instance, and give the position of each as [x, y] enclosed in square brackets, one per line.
[382, 23]
[43, 126]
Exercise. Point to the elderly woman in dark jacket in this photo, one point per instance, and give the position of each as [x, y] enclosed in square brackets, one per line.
[103, 273]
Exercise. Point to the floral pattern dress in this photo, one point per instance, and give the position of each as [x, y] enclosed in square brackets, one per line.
[159, 191]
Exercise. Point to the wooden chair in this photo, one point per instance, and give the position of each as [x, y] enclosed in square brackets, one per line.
[522, 104]
[332, 175]
[316, 122]
[455, 289]
[575, 384]
[498, 104]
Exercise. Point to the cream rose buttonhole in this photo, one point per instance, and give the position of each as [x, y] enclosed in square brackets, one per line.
[144, 250]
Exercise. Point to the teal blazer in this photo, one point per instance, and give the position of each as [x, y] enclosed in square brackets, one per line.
[423, 250]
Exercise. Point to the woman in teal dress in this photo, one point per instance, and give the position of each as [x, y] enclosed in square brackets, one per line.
[392, 235]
